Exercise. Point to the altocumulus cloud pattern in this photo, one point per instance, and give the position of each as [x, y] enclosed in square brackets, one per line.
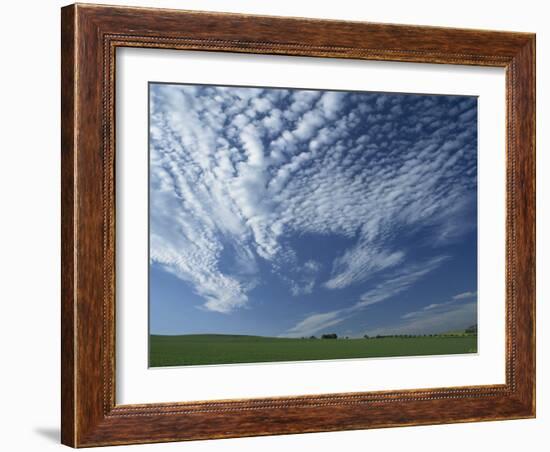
[336, 201]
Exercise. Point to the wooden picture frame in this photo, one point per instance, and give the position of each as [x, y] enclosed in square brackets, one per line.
[90, 36]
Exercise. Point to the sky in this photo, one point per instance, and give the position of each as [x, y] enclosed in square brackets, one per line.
[292, 212]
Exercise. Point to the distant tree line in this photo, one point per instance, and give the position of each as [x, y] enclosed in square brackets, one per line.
[329, 336]
[470, 330]
[402, 336]
[324, 336]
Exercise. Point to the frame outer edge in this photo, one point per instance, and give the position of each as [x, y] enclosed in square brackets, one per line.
[86, 419]
[68, 230]
[525, 62]
[534, 226]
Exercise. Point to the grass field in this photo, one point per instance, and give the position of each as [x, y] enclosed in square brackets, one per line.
[201, 349]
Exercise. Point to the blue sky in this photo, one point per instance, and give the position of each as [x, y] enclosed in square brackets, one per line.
[288, 212]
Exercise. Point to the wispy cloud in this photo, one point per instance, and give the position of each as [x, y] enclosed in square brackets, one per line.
[399, 281]
[316, 322]
[359, 262]
[440, 318]
[304, 278]
[457, 313]
[235, 172]
[463, 295]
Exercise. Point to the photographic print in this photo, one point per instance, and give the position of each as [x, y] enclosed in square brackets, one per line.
[294, 224]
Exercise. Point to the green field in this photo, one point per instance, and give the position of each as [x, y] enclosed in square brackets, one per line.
[201, 349]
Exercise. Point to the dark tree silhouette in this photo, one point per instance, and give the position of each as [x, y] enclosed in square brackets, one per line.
[329, 336]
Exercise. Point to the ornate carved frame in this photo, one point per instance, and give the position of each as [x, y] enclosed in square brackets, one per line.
[90, 36]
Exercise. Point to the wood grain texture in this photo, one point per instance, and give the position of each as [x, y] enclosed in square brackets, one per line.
[68, 310]
[90, 36]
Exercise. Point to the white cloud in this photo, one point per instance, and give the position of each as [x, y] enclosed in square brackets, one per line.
[359, 262]
[464, 295]
[332, 103]
[304, 278]
[399, 282]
